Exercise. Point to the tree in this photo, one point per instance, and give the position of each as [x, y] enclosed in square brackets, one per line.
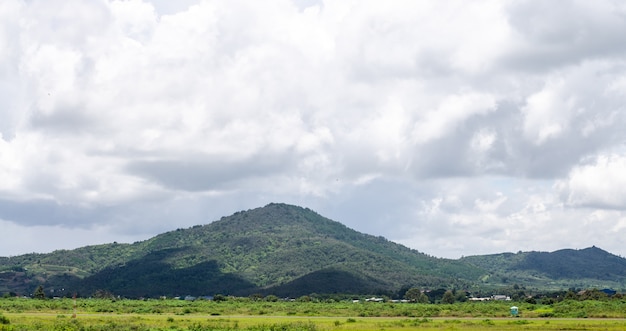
[304, 298]
[413, 294]
[271, 298]
[570, 295]
[594, 294]
[256, 297]
[448, 297]
[103, 294]
[219, 298]
[460, 296]
[39, 293]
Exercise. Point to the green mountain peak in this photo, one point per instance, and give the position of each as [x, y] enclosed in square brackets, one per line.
[284, 250]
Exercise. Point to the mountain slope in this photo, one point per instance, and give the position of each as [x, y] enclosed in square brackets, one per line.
[269, 249]
[290, 251]
[589, 267]
[590, 262]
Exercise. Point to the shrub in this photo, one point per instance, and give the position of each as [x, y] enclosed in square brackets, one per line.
[219, 298]
[520, 322]
[271, 298]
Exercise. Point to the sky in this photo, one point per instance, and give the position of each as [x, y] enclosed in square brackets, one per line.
[452, 127]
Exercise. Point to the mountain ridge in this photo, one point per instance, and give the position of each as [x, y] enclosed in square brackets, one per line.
[563, 268]
[276, 249]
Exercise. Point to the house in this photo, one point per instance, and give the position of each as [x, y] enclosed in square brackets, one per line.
[374, 299]
[501, 297]
[479, 299]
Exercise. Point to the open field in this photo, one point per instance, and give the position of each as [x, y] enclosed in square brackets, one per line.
[42, 321]
[22, 314]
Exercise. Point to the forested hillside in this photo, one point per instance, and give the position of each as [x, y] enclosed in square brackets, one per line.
[589, 267]
[290, 251]
[277, 248]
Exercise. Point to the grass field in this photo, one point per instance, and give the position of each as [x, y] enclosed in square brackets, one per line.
[43, 321]
[140, 315]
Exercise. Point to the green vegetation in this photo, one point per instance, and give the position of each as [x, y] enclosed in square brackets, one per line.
[270, 306]
[586, 268]
[250, 314]
[279, 249]
[288, 251]
[39, 293]
[160, 323]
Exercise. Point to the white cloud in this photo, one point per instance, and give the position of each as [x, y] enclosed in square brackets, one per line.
[117, 112]
[136, 19]
[547, 113]
[547, 37]
[529, 217]
[9, 167]
[489, 206]
[599, 184]
[483, 140]
[453, 110]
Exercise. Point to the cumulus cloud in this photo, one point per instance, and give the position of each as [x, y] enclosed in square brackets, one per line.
[425, 122]
[598, 184]
[548, 37]
[453, 110]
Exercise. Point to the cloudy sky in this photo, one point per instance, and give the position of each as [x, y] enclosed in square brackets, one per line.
[452, 127]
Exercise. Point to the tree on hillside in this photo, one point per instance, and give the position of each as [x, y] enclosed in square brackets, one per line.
[39, 293]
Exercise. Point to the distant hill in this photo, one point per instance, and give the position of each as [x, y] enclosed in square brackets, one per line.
[589, 267]
[289, 251]
[279, 248]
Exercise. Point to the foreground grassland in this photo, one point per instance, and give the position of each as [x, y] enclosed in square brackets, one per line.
[22, 314]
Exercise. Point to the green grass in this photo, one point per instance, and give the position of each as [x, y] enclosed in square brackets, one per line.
[242, 314]
[43, 321]
[247, 307]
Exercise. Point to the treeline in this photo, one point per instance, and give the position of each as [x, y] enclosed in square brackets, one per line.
[411, 295]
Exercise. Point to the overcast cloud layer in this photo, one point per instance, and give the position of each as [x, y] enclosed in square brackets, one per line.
[453, 127]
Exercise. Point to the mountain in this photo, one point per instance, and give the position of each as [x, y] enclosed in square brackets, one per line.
[589, 267]
[277, 249]
[291, 251]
